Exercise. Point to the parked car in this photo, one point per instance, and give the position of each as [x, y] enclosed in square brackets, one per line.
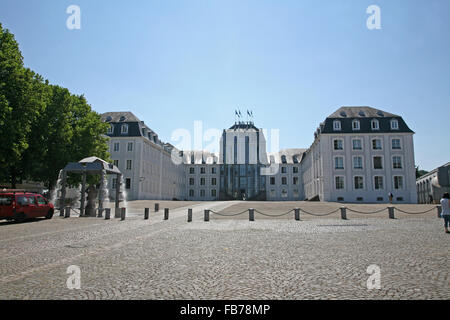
[19, 205]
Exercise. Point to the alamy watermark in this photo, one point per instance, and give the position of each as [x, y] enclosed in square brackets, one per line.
[73, 22]
[374, 20]
[210, 141]
[374, 280]
[74, 280]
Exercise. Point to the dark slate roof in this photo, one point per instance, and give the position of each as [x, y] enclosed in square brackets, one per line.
[135, 126]
[347, 114]
[355, 112]
[116, 117]
[244, 126]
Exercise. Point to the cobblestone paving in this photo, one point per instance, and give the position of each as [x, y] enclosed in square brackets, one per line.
[225, 258]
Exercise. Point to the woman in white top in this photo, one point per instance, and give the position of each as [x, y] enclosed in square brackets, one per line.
[445, 204]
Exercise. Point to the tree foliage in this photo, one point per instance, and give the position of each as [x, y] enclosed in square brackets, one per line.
[42, 126]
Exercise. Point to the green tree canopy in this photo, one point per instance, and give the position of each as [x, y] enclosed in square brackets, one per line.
[42, 126]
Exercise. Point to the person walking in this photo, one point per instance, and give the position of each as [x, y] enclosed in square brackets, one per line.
[445, 204]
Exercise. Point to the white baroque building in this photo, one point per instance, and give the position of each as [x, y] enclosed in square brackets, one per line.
[359, 154]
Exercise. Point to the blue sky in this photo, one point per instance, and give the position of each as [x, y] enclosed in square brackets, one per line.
[293, 63]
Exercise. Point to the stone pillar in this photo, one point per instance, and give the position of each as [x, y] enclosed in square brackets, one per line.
[66, 212]
[107, 213]
[166, 214]
[391, 212]
[297, 214]
[343, 213]
[83, 194]
[118, 183]
[251, 214]
[100, 193]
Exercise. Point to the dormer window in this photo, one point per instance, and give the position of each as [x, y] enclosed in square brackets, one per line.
[336, 125]
[124, 129]
[375, 125]
[355, 125]
[110, 129]
[394, 124]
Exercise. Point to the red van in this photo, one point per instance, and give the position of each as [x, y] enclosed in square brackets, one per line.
[19, 205]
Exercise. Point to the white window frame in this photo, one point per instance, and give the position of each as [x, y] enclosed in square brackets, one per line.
[343, 183]
[343, 162]
[339, 139]
[377, 127]
[396, 127]
[124, 128]
[353, 147]
[381, 144]
[403, 182]
[363, 183]
[392, 144]
[362, 162]
[384, 182]
[114, 146]
[382, 162]
[337, 125]
[128, 146]
[358, 127]
[401, 162]
[110, 129]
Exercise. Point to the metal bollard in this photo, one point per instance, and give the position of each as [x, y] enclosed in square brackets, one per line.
[61, 212]
[391, 212]
[123, 213]
[251, 214]
[156, 207]
[117, 212]
[146, 213]
[100, 213]
[439, 211]
[189, 215]
[297, 214]
[67, 212]
[344, 213]
[166, 214]
[206, 215]
[107, 213]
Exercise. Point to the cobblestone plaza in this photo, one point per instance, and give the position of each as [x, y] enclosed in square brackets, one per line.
[227, 257]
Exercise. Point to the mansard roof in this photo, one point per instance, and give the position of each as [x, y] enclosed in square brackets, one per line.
[136, 127]
[365, 115]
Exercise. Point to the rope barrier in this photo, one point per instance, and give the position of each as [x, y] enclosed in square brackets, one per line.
[422, 212]
[228, 215]
[316, 214]
[320, 214]
[274, 215]
[362, 212]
